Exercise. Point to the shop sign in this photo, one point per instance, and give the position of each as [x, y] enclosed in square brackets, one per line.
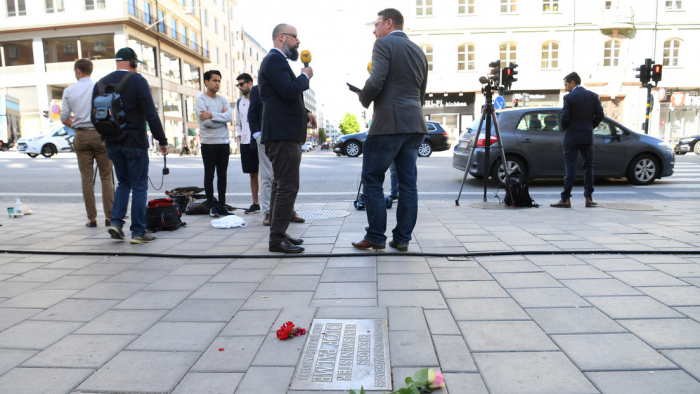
[443, 103]
[678, 99]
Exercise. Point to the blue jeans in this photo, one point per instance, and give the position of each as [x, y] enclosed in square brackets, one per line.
[570, 156]
[131, 166]
[394, 180]
[378, 152]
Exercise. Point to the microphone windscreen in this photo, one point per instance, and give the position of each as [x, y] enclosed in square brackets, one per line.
[483, 80]
[369, 67]
[306, 56]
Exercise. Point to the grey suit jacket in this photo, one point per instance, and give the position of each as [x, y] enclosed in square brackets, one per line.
[397, 86]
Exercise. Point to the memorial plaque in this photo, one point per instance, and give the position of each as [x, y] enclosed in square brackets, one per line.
[343, 355]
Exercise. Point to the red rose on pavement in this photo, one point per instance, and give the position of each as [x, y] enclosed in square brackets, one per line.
[285, 330]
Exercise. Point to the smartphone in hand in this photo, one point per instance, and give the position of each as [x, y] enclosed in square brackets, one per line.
[353, 88]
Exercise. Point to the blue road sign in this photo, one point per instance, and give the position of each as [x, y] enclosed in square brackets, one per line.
[499, 102]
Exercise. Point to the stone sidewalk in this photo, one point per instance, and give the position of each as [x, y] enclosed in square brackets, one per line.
[515, 323]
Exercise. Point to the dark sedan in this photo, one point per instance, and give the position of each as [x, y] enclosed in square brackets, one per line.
[533, 142]
[437, 140]
[686, 144]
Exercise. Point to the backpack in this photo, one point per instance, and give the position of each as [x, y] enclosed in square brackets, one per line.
[162, 214]
[109, 117]
[520, 196]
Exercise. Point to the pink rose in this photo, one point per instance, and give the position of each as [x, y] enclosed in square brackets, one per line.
[435, 379]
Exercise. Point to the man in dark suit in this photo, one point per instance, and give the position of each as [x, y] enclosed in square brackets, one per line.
[397, 86]
[284, 122]
[581, 114]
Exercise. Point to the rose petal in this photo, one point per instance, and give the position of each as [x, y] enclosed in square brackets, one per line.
[221, 349]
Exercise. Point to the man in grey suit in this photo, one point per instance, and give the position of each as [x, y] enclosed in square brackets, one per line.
[397, 86]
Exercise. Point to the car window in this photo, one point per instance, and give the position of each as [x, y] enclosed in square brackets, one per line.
[540, 121]
[60, 132]
[604, 128]
[68, 130]
[475, 124]
[431, 127]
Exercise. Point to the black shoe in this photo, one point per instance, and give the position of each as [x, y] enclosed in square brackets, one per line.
[223, 211]
[393, 197]
[214, 212]
[286, 247]
[294, 241]
[398, 246]
[253, 208]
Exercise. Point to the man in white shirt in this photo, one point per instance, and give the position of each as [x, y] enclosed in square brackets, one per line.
[248, 145]
[87, 143]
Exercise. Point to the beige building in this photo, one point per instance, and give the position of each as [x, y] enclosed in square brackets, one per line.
[252, 56]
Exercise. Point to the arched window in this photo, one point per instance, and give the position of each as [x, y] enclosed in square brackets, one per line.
[428, 49]
[424, 7]
[550, 55]
[507, 51]
[671, 49]
[611, 56]
[465, 57]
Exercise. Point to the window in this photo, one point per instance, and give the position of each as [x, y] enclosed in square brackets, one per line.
[671, 49]
[171, 104]
[169, 67]
[465, 57]
[161, 21]
[542, 121]
[550, 5]
[18, 53]
[612, 53]
[147, 54]
[190, 76]
[217, 54]
[16, 8]
[184, 34]
[466, 7]
[225, 60]
[256, 55]
[100, 5]
[206, 19]
[216, 26]
[550, 55]
[98, 47]
[194, 40]
[508, 6]
[223, 32]
[424, 7]
[428, 50]
[54, 6]
[608, 4]
[230, 13]
[58, 50]
[604, 128]
[173, 28]
[674, 5]
[507, 53]
[191, 113]
[206, 48]
[130, 3]
[147, 12]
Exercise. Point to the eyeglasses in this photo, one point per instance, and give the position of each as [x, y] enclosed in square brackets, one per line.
[293, 35]
[378, 22]
[240, 85]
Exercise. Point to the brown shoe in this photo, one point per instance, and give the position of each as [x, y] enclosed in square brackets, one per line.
[365, 244]
[108, 222]
[590, 203]
[296, 218]
[266, 219]
[562, 204]
[91, 223]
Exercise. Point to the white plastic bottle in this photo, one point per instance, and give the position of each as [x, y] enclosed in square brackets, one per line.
[18, 208]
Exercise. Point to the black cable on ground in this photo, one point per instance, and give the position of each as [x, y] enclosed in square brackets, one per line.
[359, 254]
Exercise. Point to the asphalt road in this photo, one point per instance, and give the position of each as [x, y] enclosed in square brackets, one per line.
[324, 177]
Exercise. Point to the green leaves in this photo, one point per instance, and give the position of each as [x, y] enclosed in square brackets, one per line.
[414, 385]
[360, 391]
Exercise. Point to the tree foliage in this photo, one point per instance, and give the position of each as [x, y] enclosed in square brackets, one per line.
[349, 125]
[322, 135]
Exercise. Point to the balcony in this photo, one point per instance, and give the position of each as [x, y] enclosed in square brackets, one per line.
[618, 17]
[160, 27]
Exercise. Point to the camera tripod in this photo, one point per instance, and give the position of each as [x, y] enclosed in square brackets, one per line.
[488, 115]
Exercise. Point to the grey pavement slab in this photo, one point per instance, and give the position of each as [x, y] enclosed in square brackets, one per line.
[547, 297]
[575, 272]
[423, 299]
[691, 312]
[397, 267]
[489, 336]
[209, 383]
[644, 382]
[606, 265]
[407, 319]
[573, 320]
[689, 360]
[289, 283]
[465, 383]
[600, 287]
[204, 310]
[277, 353]
[467, 289]
[352, 312]
[453, 354]
[243, 275]
[665, 333]
[298, 268]
[510, 266]
[224, 291]
[76, 310]
[632, 307]
[10, 358]
[199, 269]
[11, 289]
[266, 380]
[143, 371]
[526, 280]
[103, 269]
[658, 259]
[177, 336]
[554, 259]
[277, 299]
[80, 351]
[122, 322]
[486, 309]
[37, 299]
[674, 295]
[611, 352]
[35, 334]
[647, 278]
[137, 276]
[441, 322]
[73, 282]
[110, 291]
[467, 274]
[532, 373]
[40, 275]
[350, 274]
[345, 290]
[19, 268]
[236, 356]
[251, 323]
[352, 262]
[42, 380]
[154, 300]
[406, 282]
[11, 316]
[411, 348]
[179, 282]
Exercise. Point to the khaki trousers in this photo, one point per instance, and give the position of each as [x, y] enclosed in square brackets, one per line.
[89, 148]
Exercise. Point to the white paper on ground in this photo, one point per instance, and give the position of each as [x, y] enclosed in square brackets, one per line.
[229, 221]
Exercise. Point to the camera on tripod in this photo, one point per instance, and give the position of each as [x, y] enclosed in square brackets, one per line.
[498, 79]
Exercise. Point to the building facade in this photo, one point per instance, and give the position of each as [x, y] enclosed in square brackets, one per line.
[252, 56]
[603, 40]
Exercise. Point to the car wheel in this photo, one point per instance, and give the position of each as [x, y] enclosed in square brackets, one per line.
[643, 170]
[696, 148]
[682, 153]
[498, 175]
[32, 155]
[353, 149]
[425, 149]
[48, 150]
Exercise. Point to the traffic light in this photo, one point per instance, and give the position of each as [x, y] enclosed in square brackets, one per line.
[46, 114]
[513, 73]
[656, 73]
[505, 76]
[643, 75]
[495, 73]
[515, 103]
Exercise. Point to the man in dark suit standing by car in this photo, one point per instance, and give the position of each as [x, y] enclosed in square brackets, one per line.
[581, 114]
[397, 86]
[283, 131]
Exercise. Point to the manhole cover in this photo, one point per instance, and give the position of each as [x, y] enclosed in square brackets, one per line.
[631, 207]
[316, 215]
[492, 205]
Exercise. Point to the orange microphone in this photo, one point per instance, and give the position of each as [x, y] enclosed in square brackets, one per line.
[306, 57]
[369, 67]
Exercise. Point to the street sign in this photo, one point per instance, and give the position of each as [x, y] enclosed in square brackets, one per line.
[499, 102]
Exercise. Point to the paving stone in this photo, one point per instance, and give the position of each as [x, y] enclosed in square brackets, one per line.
[224, 291]
[526, 280]
[103, 269]
[632, 307]
[251, 323]
[423, 299]
[138, 276]
[242, 275]
[406, 282]
[263, 300]
[573, 320]
[110, 291]
[531, 372]
[689, 360]
[349, 275]
[368, 302]
[675, 296]
[177, 336]
[606, 265]
[453, 354]
[693, 281]
[346, 290]
[411, 348]
[11, 358]
[122, 322]
[461, 274]
[199, 269]
[76, 262]
[546, 297]
[442, 262]
[441, 322]
[665, 333]
[575, 272]
[352, 262]
[277, 353]
[38, 299]
[467, 289]
[141, 372]
[42, 380]
[11, 316]
[691, 312]
[40, 275]
[19, 268]
[35, 334]
[237, 355]
[510, 266]
[658, 259]
[80, 351]
[647, 278]
[554, 259]
[73, 282]
[179, 282]
[209, 383]
[645, 382]
[204, 310]
[266, 380]
[599, 287]
[76, 310]
[611, 352]
[486, 309]
[406, 319]
[465, 383]
[12, 289]
[298, 268]
[397, 267]
[487, 336]
[289, 283]
[352, 313]
[153, 300]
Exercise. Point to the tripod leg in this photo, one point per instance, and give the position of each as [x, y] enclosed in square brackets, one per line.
[471, 156]
[503, 154]
[488, 113]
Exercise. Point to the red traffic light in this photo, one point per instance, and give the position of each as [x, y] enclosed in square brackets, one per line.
[657, 68]
[509, 71]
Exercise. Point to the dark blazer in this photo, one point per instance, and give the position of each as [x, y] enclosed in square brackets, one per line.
[283, 115]
[581, 114]
[255, 111]
[397, 86]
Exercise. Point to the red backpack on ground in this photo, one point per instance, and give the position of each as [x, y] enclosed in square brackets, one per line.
[162, 214]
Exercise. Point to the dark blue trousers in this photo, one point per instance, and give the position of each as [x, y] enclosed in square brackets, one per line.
[570, 156]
